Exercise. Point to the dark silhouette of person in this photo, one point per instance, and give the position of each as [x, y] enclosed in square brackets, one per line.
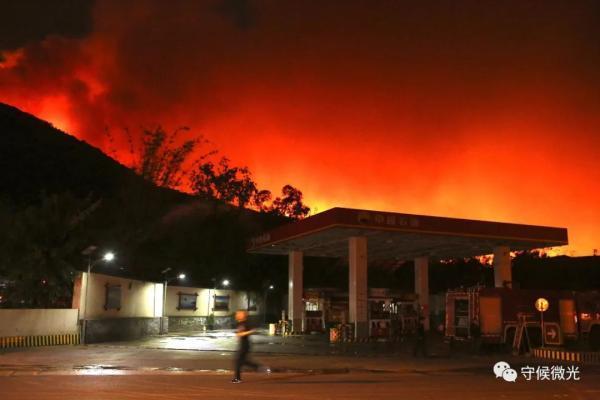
[476, 337]
[243, 333]
[420, 340]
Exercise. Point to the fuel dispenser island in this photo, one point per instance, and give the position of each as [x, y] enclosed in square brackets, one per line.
[391, 315]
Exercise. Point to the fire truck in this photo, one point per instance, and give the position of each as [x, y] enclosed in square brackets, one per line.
[504, 316]
[588, 318]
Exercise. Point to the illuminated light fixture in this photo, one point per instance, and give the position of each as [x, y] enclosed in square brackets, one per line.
[225, 282]
[271, 287]
[181, 276]
[586, 316]
[107, 257]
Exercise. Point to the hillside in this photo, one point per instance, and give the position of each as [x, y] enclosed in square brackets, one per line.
[148, 227]
[36, 157]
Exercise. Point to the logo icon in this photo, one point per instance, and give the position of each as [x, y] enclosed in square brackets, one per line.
[499, 368]
[509, 375]
[503, 370]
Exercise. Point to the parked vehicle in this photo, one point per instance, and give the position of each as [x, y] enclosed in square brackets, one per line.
[588, 318]
[499, 315]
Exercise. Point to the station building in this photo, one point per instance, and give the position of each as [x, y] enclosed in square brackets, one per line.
[364, 236]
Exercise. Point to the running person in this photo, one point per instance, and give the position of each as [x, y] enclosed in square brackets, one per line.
[243, 333]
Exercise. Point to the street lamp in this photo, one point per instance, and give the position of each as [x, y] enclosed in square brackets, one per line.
[167, 279]
[225, 283]
[109, 256]
[270, 287]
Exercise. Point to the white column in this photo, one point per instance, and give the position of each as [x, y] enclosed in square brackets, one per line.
[357, 258]
[160, 306]
[422, 287]
[79, 288]
[502, 271]
[295, 287]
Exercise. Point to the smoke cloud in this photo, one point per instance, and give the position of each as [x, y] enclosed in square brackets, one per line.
[477, 110]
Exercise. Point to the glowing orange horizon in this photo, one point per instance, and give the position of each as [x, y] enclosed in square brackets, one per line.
[427, 121]
[320, 198]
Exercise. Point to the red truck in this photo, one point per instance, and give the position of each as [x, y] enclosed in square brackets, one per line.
[497, 315]
[588, 318]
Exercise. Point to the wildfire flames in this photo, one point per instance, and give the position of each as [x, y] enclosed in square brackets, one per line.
[476, 113]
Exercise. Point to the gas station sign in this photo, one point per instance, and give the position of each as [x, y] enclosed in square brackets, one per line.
[551, 333]
[541, 304]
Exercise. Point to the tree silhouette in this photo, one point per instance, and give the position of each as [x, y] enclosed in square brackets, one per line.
[162, 161]
[261, 199]
[290, 204]
[41, 249]
[231, 184]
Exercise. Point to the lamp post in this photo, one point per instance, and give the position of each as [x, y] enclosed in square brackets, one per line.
[214, 281]
[270, 287]
[181, 277]
[109, 256]
[225, 283]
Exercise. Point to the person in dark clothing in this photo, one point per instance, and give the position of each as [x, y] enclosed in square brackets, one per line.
[420, 340]
[243, 333]
[476, 337]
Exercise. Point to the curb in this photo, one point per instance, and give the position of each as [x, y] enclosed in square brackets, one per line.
[107, 369]
[348, 340]
[367, 340]
[35, 341]
[562, 355]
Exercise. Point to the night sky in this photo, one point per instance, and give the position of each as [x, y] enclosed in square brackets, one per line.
[476, 109]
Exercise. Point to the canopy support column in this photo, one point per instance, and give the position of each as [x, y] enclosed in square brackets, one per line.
[295, 288]
[422, 288]
[357, 281]
[502, 271]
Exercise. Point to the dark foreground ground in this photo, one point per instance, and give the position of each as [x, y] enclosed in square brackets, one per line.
[358, 385]
[199, 367]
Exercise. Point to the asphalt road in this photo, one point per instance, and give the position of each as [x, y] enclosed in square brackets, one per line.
[290, 386]
[199, 366]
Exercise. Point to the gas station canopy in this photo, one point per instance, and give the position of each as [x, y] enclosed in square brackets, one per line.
[397, 236]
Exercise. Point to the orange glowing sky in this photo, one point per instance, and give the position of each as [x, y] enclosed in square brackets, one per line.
[464, 109]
